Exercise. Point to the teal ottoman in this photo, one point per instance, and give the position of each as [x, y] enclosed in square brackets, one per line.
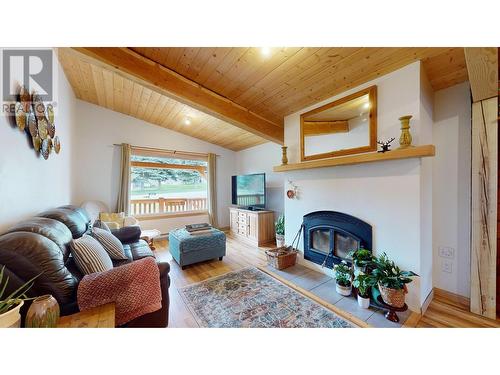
[187, 248]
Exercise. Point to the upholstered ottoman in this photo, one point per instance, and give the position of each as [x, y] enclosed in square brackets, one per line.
[187, 248]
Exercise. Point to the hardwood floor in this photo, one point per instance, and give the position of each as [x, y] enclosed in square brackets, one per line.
[445, 310]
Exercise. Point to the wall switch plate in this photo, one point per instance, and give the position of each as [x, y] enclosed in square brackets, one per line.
[446, 252]
[447, 266]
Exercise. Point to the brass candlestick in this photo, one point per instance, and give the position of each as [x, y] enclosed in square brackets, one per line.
[284, 159]
[405, 138]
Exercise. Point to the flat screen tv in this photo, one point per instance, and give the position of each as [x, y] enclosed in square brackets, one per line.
[249, 190]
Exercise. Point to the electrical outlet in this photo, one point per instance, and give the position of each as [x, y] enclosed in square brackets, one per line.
[447, 266]
[446, 252]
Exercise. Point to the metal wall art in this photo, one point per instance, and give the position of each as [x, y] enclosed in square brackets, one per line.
[38, 121]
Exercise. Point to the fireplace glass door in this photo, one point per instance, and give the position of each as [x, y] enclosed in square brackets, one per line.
[320, 241]
[323, 240]
[343, 244]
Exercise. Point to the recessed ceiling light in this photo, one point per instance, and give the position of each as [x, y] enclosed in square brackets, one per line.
[266, 51]
[187, 121]
[366, 105]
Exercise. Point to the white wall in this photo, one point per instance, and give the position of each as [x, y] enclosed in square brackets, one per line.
[98, 161]
[388, 195]
[262, 159]
[30, 184]
[451, 188]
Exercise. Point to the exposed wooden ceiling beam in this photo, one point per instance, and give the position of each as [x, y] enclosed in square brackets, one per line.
[482, 66]
[325, 127]
[167, 82]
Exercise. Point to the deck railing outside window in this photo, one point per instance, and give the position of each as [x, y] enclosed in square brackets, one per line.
[166, 205]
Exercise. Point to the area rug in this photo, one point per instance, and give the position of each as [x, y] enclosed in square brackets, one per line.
[251, 298]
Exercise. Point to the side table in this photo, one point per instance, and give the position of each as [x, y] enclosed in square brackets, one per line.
[97, 317]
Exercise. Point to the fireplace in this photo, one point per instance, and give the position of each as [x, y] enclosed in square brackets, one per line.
[330, 235]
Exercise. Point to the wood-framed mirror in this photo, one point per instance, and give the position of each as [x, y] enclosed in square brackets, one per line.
[343, 127]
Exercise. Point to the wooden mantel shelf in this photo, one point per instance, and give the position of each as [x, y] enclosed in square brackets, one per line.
[407, 153]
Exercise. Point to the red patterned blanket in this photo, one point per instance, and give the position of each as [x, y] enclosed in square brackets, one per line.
[134, 288]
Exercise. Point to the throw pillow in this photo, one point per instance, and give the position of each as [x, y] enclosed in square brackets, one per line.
[102, 225]
[113, 217]
[90, 256]
[111, 244]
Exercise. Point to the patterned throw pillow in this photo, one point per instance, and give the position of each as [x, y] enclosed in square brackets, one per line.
[102, 225]
[111, 244]
[90, 256]
[113, 218]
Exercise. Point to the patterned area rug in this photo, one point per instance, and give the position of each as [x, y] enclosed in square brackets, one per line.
[251, 298]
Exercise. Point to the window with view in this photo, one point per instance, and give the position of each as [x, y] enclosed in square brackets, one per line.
[163, 185]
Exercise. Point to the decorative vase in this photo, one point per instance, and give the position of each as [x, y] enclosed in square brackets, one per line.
[405, 138]
[43, 312]
[363, 302]
[11, 318]
[393, 297]
[284, 158]
[280, 240]
[343, 290]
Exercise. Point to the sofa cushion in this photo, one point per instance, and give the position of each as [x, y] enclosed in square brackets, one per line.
[128, 235]
[74, 218]
[111, 244]
[89, 255]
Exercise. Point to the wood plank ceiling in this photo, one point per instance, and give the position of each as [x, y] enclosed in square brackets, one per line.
[272, 86]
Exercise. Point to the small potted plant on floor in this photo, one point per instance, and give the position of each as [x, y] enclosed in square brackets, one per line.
[361, 258]
[343, 278]
[280, 231]
[11, 304]
[391, 281]
[363, 283]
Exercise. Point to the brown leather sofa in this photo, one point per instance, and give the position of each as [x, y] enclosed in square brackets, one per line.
[41, 245]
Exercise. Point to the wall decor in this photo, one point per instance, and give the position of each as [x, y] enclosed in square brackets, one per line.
[405, 138]
[37, 119]
[385, 145]
[291, 193]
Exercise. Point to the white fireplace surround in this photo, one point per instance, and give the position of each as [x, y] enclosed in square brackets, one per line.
[395, 197]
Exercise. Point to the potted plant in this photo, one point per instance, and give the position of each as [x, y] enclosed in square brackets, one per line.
[361, 258]
[280, 231]
[11, 304]
[343, 277]
[363, 283]
[391, 281]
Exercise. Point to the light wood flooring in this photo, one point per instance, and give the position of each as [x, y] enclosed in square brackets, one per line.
[445, 310]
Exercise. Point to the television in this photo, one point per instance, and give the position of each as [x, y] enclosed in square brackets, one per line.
[249, 190]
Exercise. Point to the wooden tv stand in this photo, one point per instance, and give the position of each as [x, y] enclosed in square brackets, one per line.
[253, 227]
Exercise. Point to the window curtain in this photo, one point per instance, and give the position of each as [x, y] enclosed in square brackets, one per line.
[212, 190]
[124, 183]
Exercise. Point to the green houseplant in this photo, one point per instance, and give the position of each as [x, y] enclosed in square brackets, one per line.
[391, 280]
[280, 231]
[12, 303]
[361, 258]
[363, 283]
[343, 278]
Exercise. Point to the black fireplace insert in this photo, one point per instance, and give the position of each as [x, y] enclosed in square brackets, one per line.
[330, 235]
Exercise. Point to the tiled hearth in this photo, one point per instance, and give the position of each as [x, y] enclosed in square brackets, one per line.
[323, 286]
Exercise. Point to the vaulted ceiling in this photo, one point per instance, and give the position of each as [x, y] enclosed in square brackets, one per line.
[237, 97]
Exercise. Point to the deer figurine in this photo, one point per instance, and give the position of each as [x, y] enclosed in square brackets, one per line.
[386, 145]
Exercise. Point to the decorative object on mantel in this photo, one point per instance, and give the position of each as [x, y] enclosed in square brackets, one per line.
[280, 231]
[43, 313]
[343, 278]
[38, 120]
[385, 145]
[292, 193]
[284, 158]
[405, 138]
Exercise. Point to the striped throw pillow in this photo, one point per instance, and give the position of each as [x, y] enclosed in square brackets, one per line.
[111, 244]
[90, 256]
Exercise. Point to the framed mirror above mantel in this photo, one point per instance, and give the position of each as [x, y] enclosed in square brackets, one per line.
[345, 126]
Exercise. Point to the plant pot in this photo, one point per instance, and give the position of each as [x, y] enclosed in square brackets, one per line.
[393, 297]
[43, 312]
[343, 290]
[363, 302]
[280, 240]
[11, 318]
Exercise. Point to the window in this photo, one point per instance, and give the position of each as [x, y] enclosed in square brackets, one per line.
[164, 185]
